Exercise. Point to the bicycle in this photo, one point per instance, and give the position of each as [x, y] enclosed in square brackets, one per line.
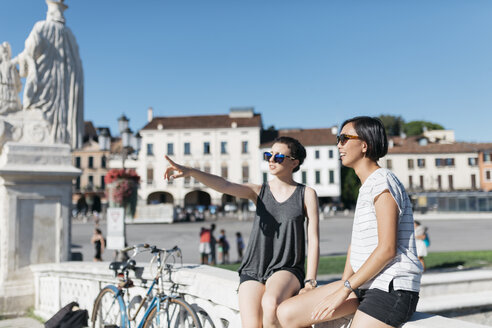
[164, 310]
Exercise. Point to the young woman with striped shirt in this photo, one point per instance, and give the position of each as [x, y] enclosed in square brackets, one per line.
[381, 279]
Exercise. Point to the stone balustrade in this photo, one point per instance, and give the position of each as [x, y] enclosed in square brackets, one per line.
[211, 291]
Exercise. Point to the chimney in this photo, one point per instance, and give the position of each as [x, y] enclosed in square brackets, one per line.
[150, 114]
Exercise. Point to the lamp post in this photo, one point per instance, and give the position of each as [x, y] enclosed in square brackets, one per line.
[130, 143]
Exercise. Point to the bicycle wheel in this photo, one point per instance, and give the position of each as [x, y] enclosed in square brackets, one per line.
[173, 313]
[109, 309]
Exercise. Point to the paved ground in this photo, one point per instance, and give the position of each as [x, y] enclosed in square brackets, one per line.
[451, 234]
[20, 323]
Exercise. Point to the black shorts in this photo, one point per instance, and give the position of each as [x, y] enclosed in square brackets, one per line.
[393, 308]
[299, 275]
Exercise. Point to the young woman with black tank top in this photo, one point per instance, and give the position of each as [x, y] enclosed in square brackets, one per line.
[272, 269]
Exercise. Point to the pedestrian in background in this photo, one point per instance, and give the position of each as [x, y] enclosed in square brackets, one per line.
[223, 248]
[204, 247]
[99, 244]
[213, 243]
[420, 239]
[239, 246]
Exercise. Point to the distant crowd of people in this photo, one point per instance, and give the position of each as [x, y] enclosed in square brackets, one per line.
[209, 245]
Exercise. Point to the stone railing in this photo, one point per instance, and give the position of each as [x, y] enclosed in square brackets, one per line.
[211, 291]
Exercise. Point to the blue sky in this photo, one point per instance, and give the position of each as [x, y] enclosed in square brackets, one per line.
[306, 64]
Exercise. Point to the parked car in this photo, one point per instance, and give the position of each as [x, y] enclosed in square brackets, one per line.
[230, 207]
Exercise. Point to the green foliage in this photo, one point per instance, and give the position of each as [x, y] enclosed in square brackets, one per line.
[416, 128]
[350, 187]
[435, 260]
[392, 124]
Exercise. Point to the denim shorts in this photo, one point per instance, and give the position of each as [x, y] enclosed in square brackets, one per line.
[393, 308]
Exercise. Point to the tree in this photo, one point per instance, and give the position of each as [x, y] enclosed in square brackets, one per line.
[350, 187]
[415, 128]
[392, 124]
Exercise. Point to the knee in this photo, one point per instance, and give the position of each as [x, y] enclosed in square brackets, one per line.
[285, 314]
[269, 306]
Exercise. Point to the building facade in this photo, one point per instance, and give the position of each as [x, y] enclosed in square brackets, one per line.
[224, 145]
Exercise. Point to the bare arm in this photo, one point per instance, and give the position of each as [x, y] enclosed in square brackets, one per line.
[247, 191]
[311, 205]
[387, 219]
[385, 251]
[347, 271]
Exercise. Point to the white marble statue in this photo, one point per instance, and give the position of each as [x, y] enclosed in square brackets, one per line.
[54, 77]
[10, 83]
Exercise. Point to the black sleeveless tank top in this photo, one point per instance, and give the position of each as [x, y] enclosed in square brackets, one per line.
[277, 240]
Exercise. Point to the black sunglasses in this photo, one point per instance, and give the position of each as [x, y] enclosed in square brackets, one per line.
[343, 138]
[277, 158]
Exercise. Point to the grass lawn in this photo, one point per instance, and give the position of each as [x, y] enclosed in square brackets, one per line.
[435, 260]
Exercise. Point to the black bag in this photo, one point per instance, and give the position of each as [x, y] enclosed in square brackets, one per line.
[66, 318]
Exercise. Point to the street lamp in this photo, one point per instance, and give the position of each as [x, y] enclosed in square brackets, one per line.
[130, 143]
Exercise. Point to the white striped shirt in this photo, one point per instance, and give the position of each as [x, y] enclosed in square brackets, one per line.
[405, 269]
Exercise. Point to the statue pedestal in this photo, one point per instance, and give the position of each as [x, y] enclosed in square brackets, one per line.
[35, 201]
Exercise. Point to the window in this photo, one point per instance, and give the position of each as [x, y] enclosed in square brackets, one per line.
[487, 157]
[206, 148]
[316, 154]
[439, 182]
[473, 181]
[90, 183]
[223, 171]
[389, 164]
[77, 161]
[487, 175]
[449, 161]
[421, 182]
[91, 162]
[244, 148]
[150, 176]
[318, 177]
[187, 181]
[410, 182]
[330, 153]
[187, 150]
[103, 162]
[265, 177]
[331, 176]
[170, 148]
[304, 177]
[440, 162]
[150, 149]
[223, 147]
[410, 163]
[450, 182]
[245, 173]
[77, 183]
[103, 183]
[472, 161]
[421, 162]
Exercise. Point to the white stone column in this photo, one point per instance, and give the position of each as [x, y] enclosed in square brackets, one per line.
[35, 201]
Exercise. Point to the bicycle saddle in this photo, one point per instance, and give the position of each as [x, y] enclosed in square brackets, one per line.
[122, 266]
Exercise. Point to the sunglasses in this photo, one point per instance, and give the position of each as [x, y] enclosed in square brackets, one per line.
[343, 138]
[277, 158]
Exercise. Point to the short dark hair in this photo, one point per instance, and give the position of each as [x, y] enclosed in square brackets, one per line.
[372, 131]
[297, 150]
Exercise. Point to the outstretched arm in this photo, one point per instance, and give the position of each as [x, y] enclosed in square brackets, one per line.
[248, 191]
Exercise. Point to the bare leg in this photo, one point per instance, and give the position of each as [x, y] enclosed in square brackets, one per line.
[297, 311]
[250, 294]
[279, 287]
[362, 320]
